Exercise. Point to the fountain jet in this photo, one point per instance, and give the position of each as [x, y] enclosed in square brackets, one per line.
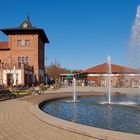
[135, 44]
[74, 90]
[109, 78]
[135, 40]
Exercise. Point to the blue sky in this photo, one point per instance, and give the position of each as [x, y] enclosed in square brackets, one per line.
[81, 32]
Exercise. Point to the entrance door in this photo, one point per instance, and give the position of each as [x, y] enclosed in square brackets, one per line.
[9, 80]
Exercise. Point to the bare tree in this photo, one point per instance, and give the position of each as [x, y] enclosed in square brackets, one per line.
[54, 70]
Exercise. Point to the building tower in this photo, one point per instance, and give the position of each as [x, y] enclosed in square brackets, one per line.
[26, 45]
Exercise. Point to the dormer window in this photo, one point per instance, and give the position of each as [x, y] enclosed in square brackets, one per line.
[25, 25]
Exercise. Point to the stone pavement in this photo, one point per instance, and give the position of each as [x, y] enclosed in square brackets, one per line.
[94, 89]
[18, 122]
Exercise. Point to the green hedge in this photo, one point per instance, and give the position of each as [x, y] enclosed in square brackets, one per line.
[18, 90]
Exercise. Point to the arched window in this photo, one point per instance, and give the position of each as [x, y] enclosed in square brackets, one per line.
[22, 59]
[26, 60]
[19, 59]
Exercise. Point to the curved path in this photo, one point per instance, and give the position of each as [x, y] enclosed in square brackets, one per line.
[18, 122]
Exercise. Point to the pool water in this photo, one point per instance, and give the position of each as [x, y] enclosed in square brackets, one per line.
[92, 111]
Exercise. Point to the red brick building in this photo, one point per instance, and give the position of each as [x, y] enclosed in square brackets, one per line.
[23, 51]
[121, 76]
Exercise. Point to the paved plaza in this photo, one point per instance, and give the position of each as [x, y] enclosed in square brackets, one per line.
[19, 122]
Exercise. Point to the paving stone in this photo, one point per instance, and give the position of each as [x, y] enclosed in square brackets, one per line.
[18, 122]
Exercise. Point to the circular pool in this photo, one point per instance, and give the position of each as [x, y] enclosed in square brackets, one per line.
[123, 114]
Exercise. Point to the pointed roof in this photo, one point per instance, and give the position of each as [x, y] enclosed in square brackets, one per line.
[24, 28]
[26, 24]
[103, 68]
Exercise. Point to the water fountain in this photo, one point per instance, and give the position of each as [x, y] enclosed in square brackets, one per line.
[109, 78]
[14, 76]
[117, 114]
[74, 96]
[109, 84]
[74, 90]
[135, 41]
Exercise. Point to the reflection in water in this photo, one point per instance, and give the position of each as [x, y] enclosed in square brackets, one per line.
[74, 113]
[74, 90]
[55, 108]
[109, 116]
[89, 111]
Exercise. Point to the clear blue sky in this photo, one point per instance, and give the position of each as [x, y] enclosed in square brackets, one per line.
[81, 32]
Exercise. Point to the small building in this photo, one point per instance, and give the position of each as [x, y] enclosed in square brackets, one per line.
[23, 54]
[121, 76]
[66, 78]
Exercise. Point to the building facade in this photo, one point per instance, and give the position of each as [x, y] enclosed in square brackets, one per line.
[120, 76]
[23, 54]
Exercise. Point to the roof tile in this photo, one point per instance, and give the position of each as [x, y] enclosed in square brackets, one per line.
[4, 45]
[103, 68]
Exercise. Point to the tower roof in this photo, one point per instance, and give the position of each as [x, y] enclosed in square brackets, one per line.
[26, 24]
[24, 28]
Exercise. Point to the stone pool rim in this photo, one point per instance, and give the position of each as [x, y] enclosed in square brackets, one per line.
[93, 132]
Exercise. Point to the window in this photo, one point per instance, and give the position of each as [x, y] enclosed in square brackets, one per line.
[23, 42]
[19, 42]
[26, 60]
[19, 59]
[22, 59]
[27, 42]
